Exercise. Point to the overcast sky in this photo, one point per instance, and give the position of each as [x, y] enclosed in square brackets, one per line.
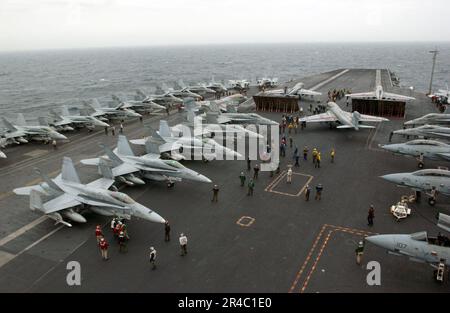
[48, 24]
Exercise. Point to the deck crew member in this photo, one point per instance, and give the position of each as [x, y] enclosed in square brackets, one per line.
[104, 248]
[359, 251]
[370, 216]
[122, 242]
[289, 176]
[153, 257]
[166, 231]
[256, 169]
[251, 187]
[98, 234]
[307, 192]
[319, 189]
[183, 244]
[242, 179]
[314, 155]
[215, 193]
[318, 159]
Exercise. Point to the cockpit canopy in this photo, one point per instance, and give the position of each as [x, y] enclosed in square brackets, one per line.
[122, 197]
[433, 173]
[422, 236]
[426, 143]
[174, 164]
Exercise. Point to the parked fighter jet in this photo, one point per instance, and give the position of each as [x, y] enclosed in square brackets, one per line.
[380, 94]
[423, 180]
[296, 90]
[208, 126]
[223, 104]
[232, 117]
[419, 247]
[430, 149]
[431, 119]
[217, 87]
[67, 192]
[267, 82]
[21, 132]
[206, 149]
[65, 120]
[163, 99]
[346, 120]
[426, 131]
[199, 89]
[140, 106]
[116, 113]
[239, 84]
[183, 92]
[125, 164]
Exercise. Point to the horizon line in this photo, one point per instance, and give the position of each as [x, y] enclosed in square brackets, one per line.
[175, 45]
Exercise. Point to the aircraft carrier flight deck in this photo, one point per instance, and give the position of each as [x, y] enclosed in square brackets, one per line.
[274, 241]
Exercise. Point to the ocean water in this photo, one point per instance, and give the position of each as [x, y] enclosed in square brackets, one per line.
[32, 82]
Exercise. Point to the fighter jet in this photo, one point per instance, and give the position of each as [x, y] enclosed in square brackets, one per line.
[430, 149]
[65, 120]
[232, 117]
[346, 120]
[419, 247]
[266, 82]
[239, 84]
[21, 132]
[204, 148]
[200, 89]
[163, 99]
[139, 106]
[182, 92]
[207, 126]
[296, 90]
[117, 113]
[426, 131]
[423, 180]
[67, 192]
[380, 94]
[125, 164]
[431, 119]
[223, 104]
[217, 87]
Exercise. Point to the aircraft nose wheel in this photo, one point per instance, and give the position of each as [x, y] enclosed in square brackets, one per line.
[421, 165]
[170, 184]
[431, 202]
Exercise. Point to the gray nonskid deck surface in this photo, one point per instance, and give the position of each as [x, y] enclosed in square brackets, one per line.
[291, 245]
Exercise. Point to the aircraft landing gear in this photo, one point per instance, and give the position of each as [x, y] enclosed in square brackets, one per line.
[421, 165]
[170, 184]
[432, 201]
[439, 273]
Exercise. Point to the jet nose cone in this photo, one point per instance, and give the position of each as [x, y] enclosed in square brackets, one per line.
[147, 214]
[391, 148]
[393, 178]
[156, 218]
[382, 241]
[203, 179]
[58, 136]
[2, 155]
